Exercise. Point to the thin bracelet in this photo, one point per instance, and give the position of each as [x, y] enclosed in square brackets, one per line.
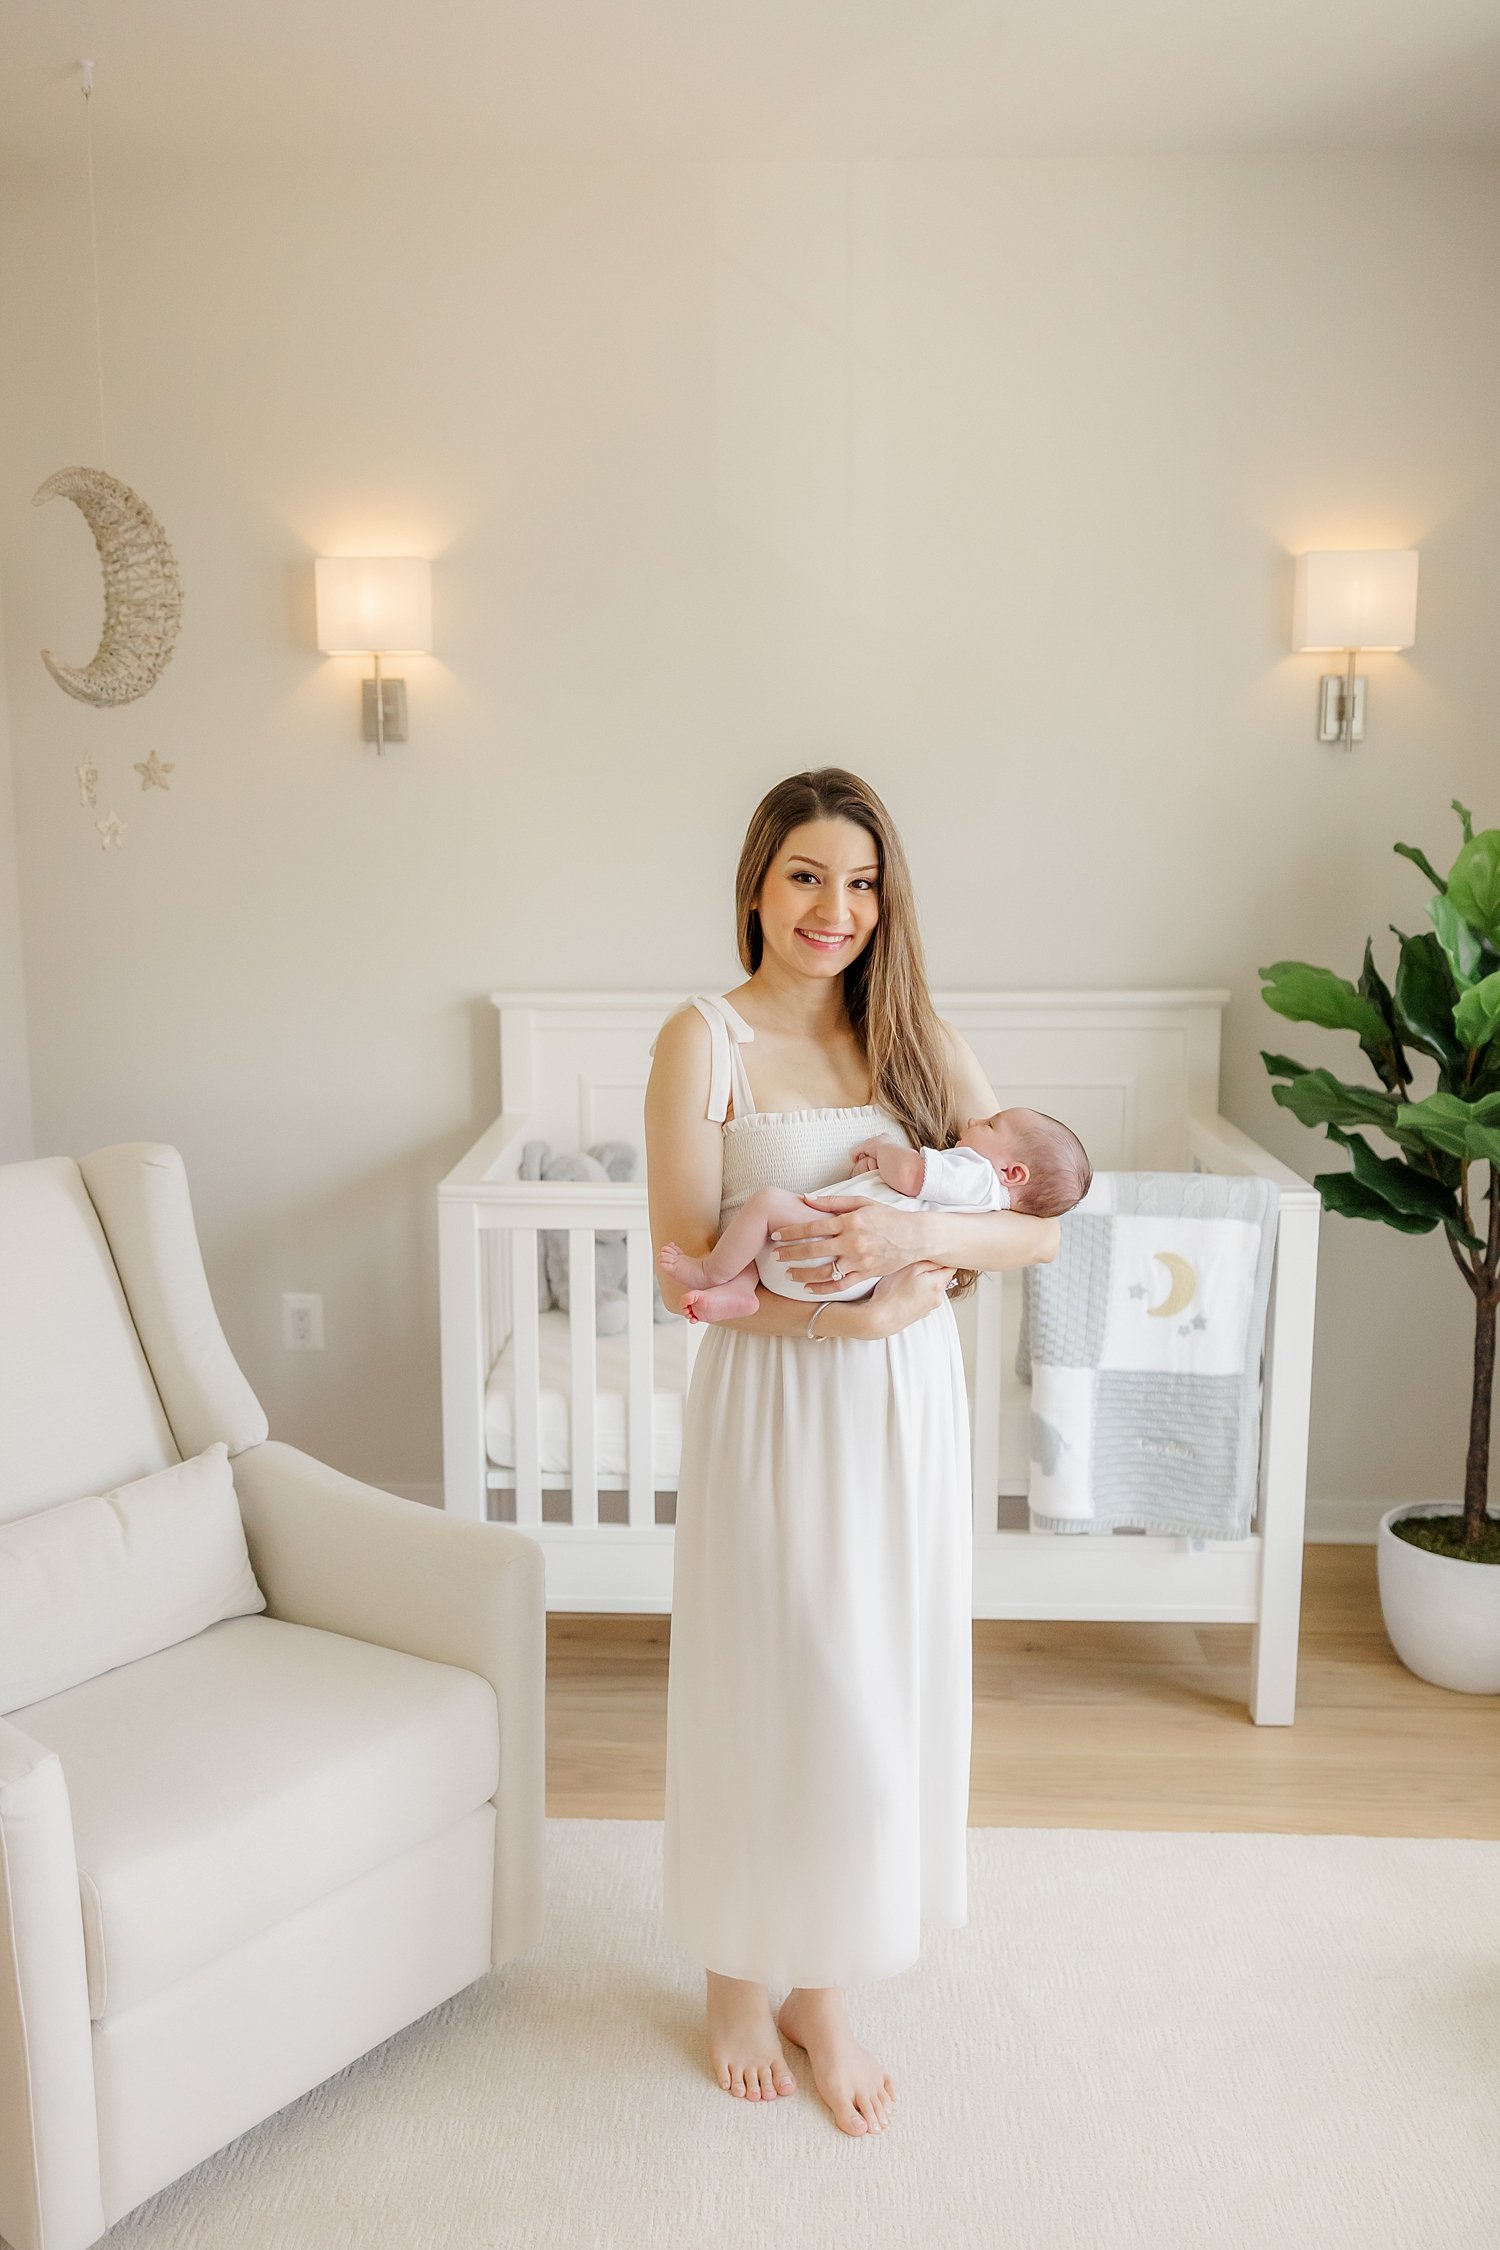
[817, 1308]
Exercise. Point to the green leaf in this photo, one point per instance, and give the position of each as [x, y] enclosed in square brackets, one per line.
[1470, 1130]
[1474, 883]
[1387, 1055]
[1318, 1098]
[1420, 859]
[1282, 1066]
[1467, 818]
[1405, 1188]
[1426, 997]
[1310, 995]
[1351, 1199]
[1477, 1016]
[1460, 943]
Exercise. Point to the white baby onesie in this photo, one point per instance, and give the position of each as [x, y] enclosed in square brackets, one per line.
[953, 1179]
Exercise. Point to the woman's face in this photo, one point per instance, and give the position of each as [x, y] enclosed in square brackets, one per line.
[819, 902]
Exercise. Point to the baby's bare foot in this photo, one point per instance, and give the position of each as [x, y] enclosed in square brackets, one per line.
[858, 2089]
[675, 1261]
[746, 2056]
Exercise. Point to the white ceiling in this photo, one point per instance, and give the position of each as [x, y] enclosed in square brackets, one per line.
[723, 78]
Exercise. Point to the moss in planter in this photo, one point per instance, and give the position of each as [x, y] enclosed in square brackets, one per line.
[1444, 1535]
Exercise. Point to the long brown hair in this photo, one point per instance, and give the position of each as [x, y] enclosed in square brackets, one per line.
[885, 987]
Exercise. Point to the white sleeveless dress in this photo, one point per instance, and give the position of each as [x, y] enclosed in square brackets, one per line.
[819, 1695]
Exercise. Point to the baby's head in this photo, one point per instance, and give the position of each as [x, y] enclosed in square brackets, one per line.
[1041, 1161]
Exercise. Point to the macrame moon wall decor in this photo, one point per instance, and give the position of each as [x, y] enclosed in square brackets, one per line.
[142, 591]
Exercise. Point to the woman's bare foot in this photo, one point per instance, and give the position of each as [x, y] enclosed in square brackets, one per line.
[858, 2089]
[746, 2054]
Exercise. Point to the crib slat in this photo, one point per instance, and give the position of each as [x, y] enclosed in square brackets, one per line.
[583, 1384]
[987, 1373]
[526, 1364]
[638, 1272]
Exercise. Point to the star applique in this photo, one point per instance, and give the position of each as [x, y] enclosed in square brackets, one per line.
[1136, 1289]
[153, 773]
[88, 782]
[1188, 1326]
[111, 831]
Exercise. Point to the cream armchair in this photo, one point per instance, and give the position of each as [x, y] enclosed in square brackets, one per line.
[229, 1868]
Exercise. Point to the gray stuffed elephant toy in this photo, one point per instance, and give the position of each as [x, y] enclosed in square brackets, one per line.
[606, 1160]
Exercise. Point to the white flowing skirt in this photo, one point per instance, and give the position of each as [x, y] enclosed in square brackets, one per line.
[819, 1697]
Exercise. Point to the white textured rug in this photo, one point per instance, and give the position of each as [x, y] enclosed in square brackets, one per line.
[1140, 2039]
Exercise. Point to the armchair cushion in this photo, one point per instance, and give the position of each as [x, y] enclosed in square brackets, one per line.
[225, 1782]
[94, 1583]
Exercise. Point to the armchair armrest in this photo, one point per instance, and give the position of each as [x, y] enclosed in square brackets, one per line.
[50, 2196]
[332, 1552]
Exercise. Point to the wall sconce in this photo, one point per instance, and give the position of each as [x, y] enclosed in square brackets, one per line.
[1352, 602]
[375, 605]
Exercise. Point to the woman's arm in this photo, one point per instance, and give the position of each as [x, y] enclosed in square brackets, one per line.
[987, 1241]
[875, 1238]
[788, 1316]
[684, 1148]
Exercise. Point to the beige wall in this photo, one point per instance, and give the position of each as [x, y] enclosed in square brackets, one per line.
[981, 477]
[15, 1069]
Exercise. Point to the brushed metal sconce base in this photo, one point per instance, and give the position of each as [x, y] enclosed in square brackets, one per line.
[1332, 691]
[389, 723]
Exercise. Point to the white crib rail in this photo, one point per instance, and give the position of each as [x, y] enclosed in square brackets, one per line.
[488, 1300]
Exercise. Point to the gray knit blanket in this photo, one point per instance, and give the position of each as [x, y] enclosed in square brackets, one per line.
[1142, 1344]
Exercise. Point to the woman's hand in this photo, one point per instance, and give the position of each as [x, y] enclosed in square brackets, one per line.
[909, 1294]
[867, 1239]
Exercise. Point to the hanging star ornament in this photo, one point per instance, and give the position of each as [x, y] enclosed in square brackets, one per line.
[154, 774]
[88, 782]
[111, 831]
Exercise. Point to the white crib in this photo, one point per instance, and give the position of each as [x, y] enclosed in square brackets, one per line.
[575, 1437]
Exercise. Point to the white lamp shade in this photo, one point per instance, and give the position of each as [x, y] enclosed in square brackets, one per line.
[1356, 600]
[373, 604]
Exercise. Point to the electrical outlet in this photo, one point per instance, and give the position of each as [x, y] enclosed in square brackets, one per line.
[302, 1323]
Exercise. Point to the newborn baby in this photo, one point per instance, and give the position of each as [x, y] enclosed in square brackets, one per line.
[1018, 1160]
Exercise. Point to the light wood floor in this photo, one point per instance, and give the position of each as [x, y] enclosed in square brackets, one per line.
[1111, 1726]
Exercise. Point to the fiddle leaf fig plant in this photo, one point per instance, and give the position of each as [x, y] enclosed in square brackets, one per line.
[1445, 1007]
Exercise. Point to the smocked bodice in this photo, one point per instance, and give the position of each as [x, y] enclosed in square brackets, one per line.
[800, 1149]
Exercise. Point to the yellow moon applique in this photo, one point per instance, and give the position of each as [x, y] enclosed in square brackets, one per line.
[1184, 1285]
[142, 591]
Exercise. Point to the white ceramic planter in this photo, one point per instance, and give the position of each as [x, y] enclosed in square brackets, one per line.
[1443, 1617]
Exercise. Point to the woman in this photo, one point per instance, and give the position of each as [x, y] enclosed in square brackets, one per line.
[820, 1675]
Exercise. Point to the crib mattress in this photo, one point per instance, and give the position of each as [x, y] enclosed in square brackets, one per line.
[612, 1371]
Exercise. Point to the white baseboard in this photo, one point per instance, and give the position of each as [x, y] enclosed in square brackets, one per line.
[1348, 1523]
